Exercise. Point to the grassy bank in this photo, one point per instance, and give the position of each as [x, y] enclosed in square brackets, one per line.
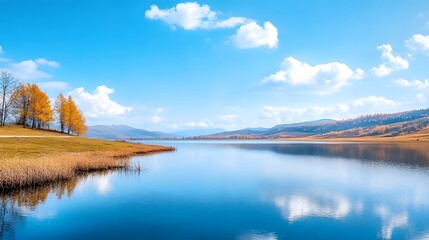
[28, 161]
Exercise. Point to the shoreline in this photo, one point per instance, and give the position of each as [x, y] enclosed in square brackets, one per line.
[405, 139]
[28, 169]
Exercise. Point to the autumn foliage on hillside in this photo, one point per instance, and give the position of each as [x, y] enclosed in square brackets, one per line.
[31, 107]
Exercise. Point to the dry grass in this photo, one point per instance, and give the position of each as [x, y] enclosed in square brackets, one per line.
[36, 161]
[23, 172]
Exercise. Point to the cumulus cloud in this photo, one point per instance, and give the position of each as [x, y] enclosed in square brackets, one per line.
[330, 77]
[28, 70]
[415, 83]
[42, 61]
[231, 22]
[191, 16]
[373, 101]
[252, 35]
[98, 103]
[418, 42]
[392, 63]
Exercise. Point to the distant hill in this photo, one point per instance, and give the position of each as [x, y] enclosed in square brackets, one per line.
[198, 132]
[114, 132]
[269, 132]
[387, 125]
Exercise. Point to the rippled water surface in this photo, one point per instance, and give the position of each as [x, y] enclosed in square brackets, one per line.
[238, 190]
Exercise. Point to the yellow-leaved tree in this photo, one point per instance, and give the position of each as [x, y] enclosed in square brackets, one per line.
[40, 111]
[21, 103]
[74, 119]
[32, 106]
[60, 110]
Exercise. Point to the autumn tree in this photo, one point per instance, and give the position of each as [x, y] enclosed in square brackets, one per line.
[60, 110]
[33, 108]
[40, 111]
[32, 105]
[8, 84]
[21, 103]
[74, 118]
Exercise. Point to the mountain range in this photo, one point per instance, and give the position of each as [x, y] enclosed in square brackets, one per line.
[115, 132]
[387, 125]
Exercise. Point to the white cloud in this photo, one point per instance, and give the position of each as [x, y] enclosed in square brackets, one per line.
[294, 114]
[28, 70]
[54, 85]
[330, 77]
[251, 35]
[280, 114]
[421, 97]
[42, 61]
[156, 119]
[392, 63]
[231, 22]
[415, 83]
[200, 124]
[1, 50]
[191, 16]
[373, 101]
[418, 42]
[98, 103]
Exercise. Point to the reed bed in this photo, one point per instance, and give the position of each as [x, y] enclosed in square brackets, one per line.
[19, 172]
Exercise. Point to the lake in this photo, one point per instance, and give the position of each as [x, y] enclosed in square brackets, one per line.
[237, 190]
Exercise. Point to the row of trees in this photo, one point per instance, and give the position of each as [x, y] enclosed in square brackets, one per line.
[29, 106]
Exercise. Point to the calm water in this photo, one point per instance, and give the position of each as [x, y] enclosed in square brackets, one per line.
[239, 190]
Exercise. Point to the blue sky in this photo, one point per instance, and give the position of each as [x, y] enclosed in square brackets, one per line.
[172, 65]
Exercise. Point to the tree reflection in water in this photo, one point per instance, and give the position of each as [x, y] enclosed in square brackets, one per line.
[408, 154]
[14, 204]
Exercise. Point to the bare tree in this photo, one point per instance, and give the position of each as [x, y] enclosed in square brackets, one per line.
[8, 84]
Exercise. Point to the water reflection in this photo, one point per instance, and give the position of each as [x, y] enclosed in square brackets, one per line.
[413, 154]
[298, 207]
[237, 191]
[390, 221]
[104, 186]
[258, 236]
[17, 205]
